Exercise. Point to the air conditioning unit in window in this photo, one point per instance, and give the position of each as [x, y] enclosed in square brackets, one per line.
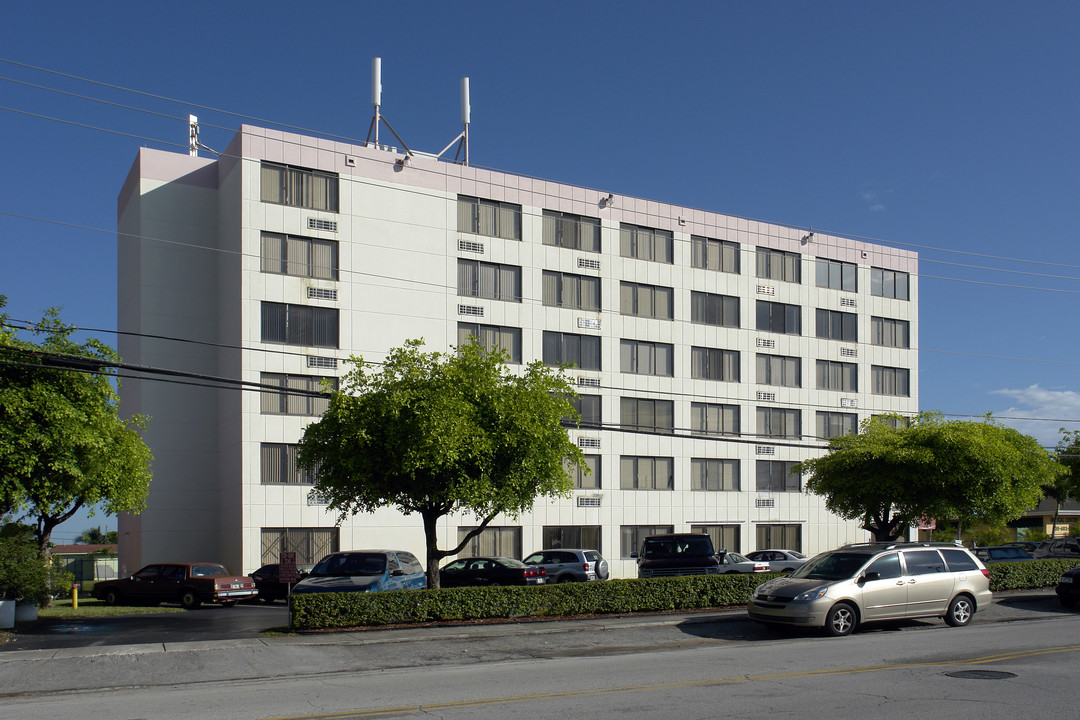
[766, 343]
[320, 224]
[848, 302]
[474, 310]
[849, 352]
[325, 363]
[765, 450]
[588, 323]
[588, 264]
[766, 290]
[470, 246]
[588, 501]
[849, 402]
[586, 442]
[767, 396]
[764, 502]
[588, 382]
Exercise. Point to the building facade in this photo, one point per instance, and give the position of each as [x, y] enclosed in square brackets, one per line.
[710, 352]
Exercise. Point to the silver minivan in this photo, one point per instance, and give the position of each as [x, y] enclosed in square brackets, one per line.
[863, 582]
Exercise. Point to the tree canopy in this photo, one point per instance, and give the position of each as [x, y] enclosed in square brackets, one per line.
[891, 477]
[63, 445]
[1066, 485]
[437, 433]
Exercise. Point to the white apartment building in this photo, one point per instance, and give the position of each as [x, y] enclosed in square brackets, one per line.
[711, 352]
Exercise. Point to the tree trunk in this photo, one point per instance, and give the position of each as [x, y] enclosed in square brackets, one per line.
[434, 555]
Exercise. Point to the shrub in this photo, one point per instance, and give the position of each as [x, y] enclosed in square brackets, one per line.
[1028, 575]
[23, 574]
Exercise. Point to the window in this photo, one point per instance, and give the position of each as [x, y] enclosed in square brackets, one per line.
[779, 422]
[782, 370]
[836, 325]
[588, 407]
[716, 475]
[788, 537]
[889, 283]
[582, 351]
[778, 265]
[278, 466]
[646, 473]
[582, 481]
[836, 275]
[506, 338]
[645, 415]
[721, 255]
[890, 381]
[714, 419]
[631, 536]
[299, 187]
[488, 217]
[893, 420]
[831, 424]
[572, 536]
[299, 325]
[646, 243]
[724, 537]
[299, 256]
[779, 317]
[310, 544]
[648, 301]
[489, 280]
[712, 309]
[578, 292]
[890, 333]
[714, 364]
[492, 542]
[840, 376]
[776, 476]
[294, 398]
[647, 358]
[571, 231]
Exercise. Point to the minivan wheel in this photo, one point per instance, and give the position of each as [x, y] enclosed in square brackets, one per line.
[841, 620]
[960, 611]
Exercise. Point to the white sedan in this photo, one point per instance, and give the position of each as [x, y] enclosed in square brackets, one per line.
[781, 561]
[736, 563]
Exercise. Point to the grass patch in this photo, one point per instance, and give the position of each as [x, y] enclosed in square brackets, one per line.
[91, 608]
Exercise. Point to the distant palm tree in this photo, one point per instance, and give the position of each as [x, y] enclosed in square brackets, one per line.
[94, 536]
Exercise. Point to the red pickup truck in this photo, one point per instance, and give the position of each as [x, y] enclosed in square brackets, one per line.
[189, 583]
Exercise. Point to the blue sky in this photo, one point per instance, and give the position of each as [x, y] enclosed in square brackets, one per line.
[944, 127]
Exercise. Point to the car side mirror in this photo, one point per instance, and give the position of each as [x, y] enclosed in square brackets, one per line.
[396, 573]
[633, 555]
[871, 576]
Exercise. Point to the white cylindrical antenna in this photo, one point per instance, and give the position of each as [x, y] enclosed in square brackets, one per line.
[193, 136]
[466, 111]
[376, 82]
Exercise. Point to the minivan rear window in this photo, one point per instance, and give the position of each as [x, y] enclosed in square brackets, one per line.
[959, 560]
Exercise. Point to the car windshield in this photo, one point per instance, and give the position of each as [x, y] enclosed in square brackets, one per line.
[677, 547]
[831, 566]
[351, 564]
[208, 570]
[735, 558]
[796, 555]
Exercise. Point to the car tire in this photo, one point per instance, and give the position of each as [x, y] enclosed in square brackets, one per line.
[841, 619]
[189, 599]
[732, 572]
[1067, 602]
[112, 597]
[565, 578]
[228, 603]
[960, 611]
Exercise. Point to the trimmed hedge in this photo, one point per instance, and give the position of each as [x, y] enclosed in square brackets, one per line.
[318, 611]
[358, 609]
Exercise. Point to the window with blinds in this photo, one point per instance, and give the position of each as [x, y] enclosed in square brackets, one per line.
[724, 537]
[713, 309]
[278, 466]
[489, 217]
[647, 358]
[831, 424]
[299, 325]
[572, 536]
[588, 407]
[296, 396]
[583, 480]
[646, 473]
[299, 256]
[719, 255]
[714, 419]
[781, 370]
[776, 476]
[714, 364]
[489, 280]
[578, 292]
[492, 336]
[890, 333]
[645, 243]
[714, 475]
[571, 231]
[581, 351]
[840, 376]
[299, 187]
[779, 317]
[890, 381]
[646, 415]
[631, 537]
[889, 283]
[836, 325]
[647, 301]
[310, 544]
[785, 537]
[779, 265]
[492, 542]
[779, 422]
[836, 275]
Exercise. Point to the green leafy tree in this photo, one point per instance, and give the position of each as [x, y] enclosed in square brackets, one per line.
[95, 536]
[1067, 485]
[889, 478]
[23, 575]
[63, 445]
[435, 433]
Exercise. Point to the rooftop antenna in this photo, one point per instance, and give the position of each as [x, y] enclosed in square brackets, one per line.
[463, 137]
[376, 101]
[193, 138]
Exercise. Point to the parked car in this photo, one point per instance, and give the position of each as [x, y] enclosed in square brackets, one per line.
[1002, 553]
[1068, 588]
[270, 586]
[677, 554]
[863, 582]
[364, 570]
[731, 563]
[1066, 547]
[781, 561]
[190, 584]
[491, 571]
[570, 565]
[1028, 545]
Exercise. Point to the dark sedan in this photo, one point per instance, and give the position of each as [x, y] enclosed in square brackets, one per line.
[491, 572]
[1068, 588]
[270, 586]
